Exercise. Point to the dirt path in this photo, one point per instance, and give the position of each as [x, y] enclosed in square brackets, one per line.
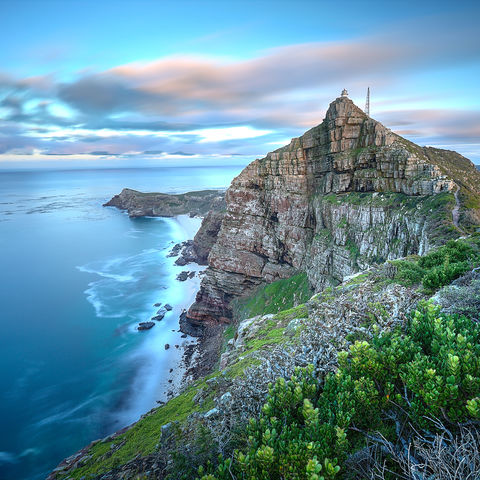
[456, 209]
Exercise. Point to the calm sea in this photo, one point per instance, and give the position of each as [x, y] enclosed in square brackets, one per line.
[75, 280]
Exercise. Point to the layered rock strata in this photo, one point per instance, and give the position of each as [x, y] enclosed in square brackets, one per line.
[346, 194]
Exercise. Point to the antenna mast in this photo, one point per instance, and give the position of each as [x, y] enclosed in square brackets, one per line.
[367, 103]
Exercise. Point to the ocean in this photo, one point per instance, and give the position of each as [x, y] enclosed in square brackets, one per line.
[76, 278]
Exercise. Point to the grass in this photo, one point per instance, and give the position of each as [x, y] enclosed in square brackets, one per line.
[357, 280]
[274, 297]
[142, 438]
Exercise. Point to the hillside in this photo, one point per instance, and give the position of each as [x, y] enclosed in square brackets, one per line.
[172, 441]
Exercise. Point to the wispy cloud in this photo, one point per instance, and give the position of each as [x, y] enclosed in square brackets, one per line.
[200, 104]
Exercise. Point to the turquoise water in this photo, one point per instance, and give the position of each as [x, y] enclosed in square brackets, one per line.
[75, 279]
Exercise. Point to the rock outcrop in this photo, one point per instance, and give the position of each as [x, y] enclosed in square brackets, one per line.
[198, 249]
[346, 194]
[206, 236]
[139, 204]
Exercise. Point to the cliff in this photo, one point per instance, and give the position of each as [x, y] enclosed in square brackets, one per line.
[346, 194]
[139, 204]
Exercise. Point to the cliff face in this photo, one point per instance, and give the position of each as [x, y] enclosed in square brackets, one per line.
[346, 194]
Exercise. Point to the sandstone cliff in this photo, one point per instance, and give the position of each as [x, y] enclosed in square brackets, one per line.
[346, 194]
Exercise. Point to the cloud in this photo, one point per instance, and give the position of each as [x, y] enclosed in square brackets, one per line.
[199, 104]
[436, 125]
[212, 89]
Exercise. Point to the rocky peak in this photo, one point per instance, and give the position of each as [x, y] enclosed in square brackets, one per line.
[343, 107]
[293, 210]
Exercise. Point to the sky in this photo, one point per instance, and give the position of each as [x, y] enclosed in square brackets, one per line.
[146, 83]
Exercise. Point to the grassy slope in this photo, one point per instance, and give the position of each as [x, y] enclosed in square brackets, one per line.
[274, 297]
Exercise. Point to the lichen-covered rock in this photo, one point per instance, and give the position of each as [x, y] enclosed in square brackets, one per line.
[346, 194]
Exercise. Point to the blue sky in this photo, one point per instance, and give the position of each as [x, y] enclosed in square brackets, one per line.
[162, 82]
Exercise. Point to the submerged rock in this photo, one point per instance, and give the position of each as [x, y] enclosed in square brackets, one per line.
[182, 276]
[181, 261]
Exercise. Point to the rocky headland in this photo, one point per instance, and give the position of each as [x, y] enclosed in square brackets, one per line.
[140, 204]
[209, 204]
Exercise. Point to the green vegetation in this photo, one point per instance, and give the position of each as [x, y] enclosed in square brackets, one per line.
[274, 297]
[352, 247]
[143, 437]
[425, 203]
[441, 266]
[397, 387]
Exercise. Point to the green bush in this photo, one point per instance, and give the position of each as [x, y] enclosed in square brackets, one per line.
[409, 272]
[444, 274]
[308, 427]
[455, 251]
[439, 267]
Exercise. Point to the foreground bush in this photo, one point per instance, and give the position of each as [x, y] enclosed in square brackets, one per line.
[439, 267]
[387, 393]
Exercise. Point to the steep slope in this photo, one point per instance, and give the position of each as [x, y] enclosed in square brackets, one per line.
[346, 194]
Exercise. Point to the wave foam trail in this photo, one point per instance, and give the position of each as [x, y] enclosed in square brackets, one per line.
[7, 457]
[113, 276]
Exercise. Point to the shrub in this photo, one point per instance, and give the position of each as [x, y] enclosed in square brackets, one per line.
[439, 267]
[386, 391]
[408, 272]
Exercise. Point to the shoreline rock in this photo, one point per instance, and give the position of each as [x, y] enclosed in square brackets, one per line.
[185, 275]
[145, 325]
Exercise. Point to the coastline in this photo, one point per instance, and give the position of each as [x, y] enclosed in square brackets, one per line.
[165, 372]
[161, 370]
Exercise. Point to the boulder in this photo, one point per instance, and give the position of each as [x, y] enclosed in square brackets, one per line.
[182, 276]
[145, 325]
